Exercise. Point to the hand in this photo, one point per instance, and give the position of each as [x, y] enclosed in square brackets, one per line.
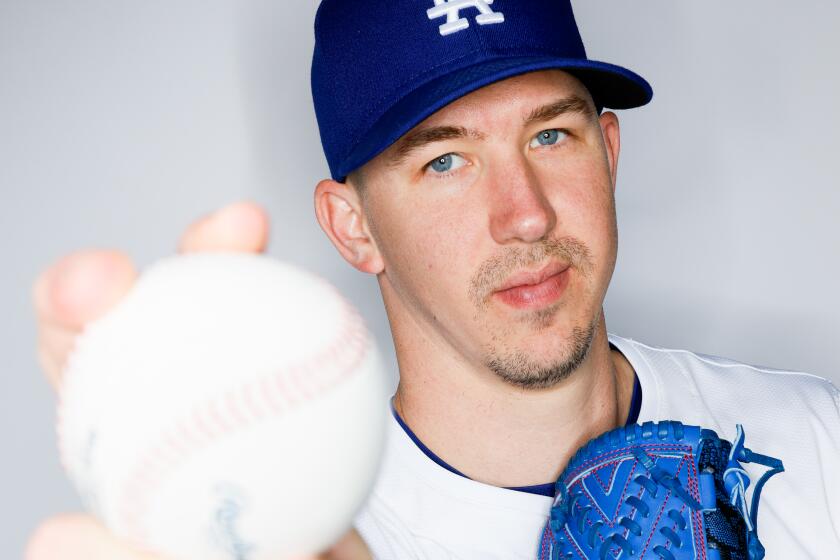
[82, 287]
[80, 537]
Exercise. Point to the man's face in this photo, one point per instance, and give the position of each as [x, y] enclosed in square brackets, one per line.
[495, 220]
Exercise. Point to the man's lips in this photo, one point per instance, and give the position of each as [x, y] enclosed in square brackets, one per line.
[533, 289]
[531, 278]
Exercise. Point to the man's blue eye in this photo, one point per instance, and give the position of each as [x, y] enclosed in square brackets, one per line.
[446, 163]
[548, 138]
[443, 163]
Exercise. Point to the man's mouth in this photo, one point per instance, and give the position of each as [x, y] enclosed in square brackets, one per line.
[534, 289]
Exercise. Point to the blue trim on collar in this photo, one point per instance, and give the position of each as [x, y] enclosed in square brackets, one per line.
[635, 402]
[540, 489]
[428, 452]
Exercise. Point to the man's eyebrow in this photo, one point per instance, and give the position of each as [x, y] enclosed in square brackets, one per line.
[417, 139]
[571, 104]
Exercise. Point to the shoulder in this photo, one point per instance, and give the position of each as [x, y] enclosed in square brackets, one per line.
[728, 373]
[719, 384]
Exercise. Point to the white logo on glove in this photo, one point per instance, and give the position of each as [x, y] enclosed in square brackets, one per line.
[454, 22]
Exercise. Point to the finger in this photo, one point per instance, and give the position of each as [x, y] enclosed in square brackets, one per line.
[54, 345]
[82, 286]
[79, 537]
[77, 289]
[351, 547]
[241, 227]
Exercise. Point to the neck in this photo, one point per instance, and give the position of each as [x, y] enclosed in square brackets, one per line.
[504, 435]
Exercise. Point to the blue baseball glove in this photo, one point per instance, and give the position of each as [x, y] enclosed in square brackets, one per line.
[661, 491]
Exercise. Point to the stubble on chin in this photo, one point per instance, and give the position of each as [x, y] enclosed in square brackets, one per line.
[517, 368]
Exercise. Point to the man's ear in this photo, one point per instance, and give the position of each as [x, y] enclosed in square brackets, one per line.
[341, 215]
[611, 132]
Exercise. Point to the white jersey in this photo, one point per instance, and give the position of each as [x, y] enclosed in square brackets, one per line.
[420, 510]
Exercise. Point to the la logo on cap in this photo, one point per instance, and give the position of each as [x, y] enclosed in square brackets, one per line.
[454, 22]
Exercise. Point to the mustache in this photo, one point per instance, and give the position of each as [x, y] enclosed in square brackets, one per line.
[495, 270]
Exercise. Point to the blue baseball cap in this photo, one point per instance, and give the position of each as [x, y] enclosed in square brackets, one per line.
[381, 67]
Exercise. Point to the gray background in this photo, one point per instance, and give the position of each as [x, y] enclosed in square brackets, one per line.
[122, 121]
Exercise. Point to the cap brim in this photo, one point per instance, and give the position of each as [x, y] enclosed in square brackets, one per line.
[611, 86]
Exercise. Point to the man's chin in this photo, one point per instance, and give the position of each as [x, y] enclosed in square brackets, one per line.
[523, 370]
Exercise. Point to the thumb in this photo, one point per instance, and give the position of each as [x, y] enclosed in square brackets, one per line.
[79, 537]
[350, 547]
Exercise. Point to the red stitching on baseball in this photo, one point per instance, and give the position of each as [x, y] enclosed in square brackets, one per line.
[222, 422]
[233, 406]
[349, 349]
[267, 392]
[251, 404]
[204, 428]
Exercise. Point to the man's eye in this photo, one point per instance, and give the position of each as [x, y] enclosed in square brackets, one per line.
[446, 163]
[548, 138]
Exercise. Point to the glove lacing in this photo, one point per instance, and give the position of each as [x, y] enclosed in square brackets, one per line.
[736, 481]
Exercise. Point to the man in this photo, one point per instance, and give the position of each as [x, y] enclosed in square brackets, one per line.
[473, 172]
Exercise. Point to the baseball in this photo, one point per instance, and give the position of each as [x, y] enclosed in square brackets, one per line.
[231, 406]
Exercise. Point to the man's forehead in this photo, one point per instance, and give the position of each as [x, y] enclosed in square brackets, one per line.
[523, 91]
[533, 95]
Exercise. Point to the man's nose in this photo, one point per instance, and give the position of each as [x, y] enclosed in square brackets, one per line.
[519, 208]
